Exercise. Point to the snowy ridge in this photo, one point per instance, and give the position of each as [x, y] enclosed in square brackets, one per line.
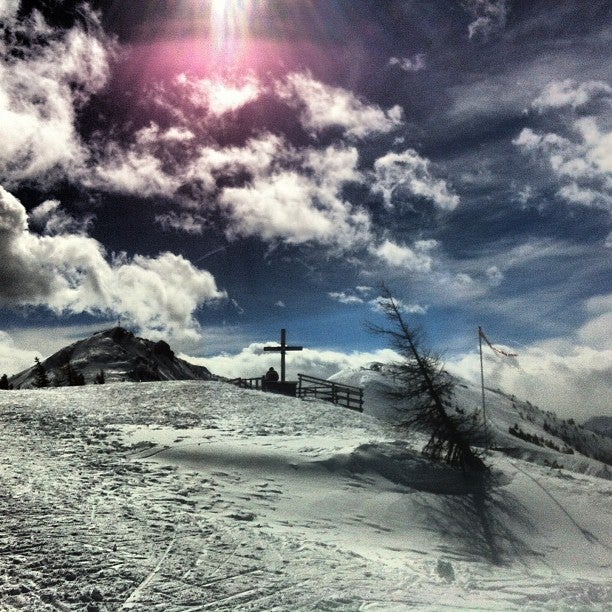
[517, 427]
[121, 356]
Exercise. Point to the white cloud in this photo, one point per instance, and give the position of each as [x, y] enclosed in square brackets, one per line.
[278, 207]
[573, 381]
[416, 259]
[161, 292]
[8, 9]
[39, 98]
[558, 94]
[252, 361]
[345, 298]
[571, 376]
[378, 305]
[358, 295]
[582, 164]
[323, 106]
[152, 135]
[596, 331]
[136, 169]
[580, 195]
[219, 97]
[259, 157]
[598, 145]
[364, 290]
[71, 273]
[456, 287]
[531, 141]
[52, 220]
[489, 17]
[410, 64]
[495, 275]
[281, 193]
[300, 206]
[185, 222]
[408, 173]
[581, 159]
[12, 358]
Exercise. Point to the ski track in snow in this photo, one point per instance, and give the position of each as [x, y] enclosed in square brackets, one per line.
[182, 497]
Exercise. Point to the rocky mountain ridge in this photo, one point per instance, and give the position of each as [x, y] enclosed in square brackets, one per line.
[113, 355]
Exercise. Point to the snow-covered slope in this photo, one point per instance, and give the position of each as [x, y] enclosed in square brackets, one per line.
[514, 426]
[190, 496]
[121, 356]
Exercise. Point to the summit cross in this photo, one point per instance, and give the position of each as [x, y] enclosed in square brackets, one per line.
[282, 349]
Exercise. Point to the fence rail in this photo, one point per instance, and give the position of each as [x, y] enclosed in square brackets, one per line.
[247, 383]
[343, 395]
[309, 386]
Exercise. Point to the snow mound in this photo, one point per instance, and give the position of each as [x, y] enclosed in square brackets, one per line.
[399, 463]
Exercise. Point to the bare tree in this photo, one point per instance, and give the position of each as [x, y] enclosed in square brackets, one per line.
[426, 390]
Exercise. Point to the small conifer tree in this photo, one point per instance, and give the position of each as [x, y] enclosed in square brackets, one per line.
[4, 383]
[426, 390]
[41, 379]
[69, 376]
[78, 380]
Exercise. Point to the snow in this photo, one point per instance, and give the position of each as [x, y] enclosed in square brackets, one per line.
[185, 496]
[502, 413]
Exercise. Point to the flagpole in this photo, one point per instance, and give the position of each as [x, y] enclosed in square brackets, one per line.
[484, 411]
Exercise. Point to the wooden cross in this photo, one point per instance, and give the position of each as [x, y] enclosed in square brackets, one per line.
[282, 349]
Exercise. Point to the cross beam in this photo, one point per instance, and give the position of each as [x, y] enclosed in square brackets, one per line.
[282, 349]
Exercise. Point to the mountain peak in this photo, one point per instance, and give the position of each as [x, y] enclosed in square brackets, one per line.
[121, 355]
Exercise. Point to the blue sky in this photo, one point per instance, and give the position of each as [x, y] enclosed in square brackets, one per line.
[209, 172]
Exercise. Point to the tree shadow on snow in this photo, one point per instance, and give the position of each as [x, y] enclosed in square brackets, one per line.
[484, 519]
[473, 510]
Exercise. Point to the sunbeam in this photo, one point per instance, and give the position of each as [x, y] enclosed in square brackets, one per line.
[229, 21]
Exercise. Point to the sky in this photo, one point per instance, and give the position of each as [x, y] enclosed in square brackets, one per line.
[209, 172]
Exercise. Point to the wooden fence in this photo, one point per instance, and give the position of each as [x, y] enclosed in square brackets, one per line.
[309, 386]
[247, 383]
[343, 395]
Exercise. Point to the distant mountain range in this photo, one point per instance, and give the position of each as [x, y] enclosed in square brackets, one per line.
[600, 424]
[114, 355]
[515, 427]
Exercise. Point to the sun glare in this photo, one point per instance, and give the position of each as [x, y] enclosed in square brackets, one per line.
[229, 21]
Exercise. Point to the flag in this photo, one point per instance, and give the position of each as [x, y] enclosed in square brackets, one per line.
[495, 349]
